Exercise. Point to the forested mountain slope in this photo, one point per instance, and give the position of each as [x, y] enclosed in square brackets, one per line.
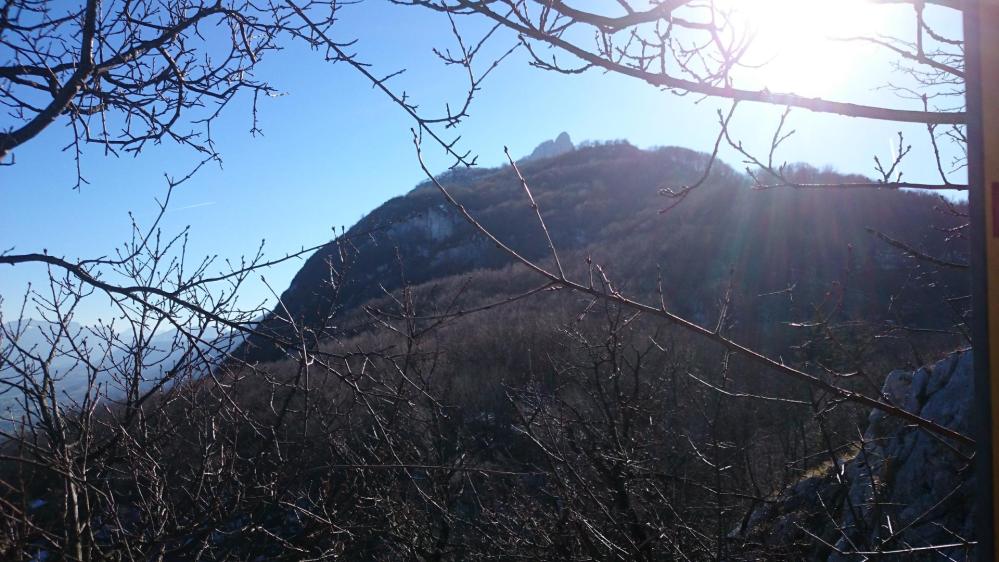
[435, 404]
[617, 435]
[793, 257]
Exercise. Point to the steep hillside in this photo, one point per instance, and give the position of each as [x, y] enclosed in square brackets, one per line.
[792, 256]
[424, 413]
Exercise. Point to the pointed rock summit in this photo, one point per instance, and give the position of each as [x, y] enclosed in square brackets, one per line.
[551, 148]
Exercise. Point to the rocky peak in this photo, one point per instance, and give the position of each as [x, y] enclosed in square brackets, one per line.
[551, 148]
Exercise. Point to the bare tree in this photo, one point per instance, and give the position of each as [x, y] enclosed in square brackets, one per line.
[120, 444]
[706, 48]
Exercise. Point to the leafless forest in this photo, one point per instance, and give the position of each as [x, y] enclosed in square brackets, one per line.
[507, 363]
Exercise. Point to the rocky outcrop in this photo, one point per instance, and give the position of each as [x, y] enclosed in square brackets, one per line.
[905, 494]
[551, 148]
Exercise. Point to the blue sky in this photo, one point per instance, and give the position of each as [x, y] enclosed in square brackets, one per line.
[333, 149]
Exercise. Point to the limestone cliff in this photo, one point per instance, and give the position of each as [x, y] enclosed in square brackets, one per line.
[904, 493]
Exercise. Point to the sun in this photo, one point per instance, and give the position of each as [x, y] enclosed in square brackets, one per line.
[799, 46]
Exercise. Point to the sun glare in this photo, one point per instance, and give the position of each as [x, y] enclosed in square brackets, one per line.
[798, 44]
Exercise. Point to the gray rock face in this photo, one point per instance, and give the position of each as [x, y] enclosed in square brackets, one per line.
[551, 148]
[904, 494]
[435, 224]
[440, 224]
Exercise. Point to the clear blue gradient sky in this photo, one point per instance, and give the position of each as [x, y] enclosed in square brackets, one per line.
[333, 148]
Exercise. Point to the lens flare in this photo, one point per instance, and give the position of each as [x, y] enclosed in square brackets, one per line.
[803, 46]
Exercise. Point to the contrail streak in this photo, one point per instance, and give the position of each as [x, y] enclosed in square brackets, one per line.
[194, 206]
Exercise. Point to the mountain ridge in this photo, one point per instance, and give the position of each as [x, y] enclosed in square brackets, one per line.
[602, 201]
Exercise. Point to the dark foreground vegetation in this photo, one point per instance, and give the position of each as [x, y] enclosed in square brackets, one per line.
[558, 366]
[418, 395]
